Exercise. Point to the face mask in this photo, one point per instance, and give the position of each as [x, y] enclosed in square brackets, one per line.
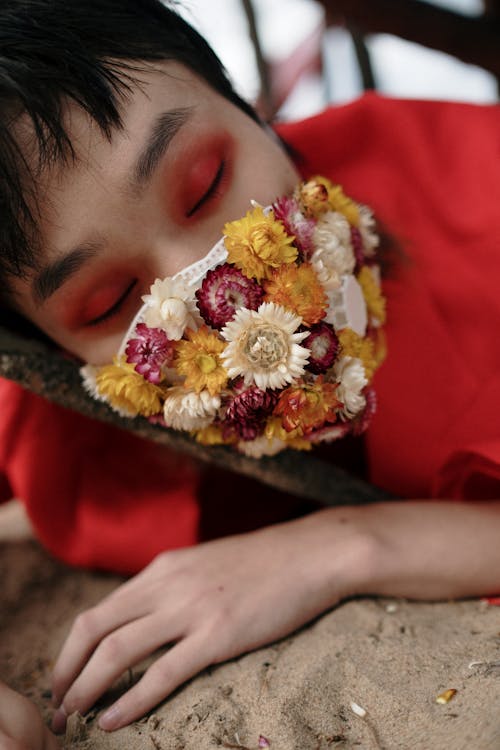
[271, 340]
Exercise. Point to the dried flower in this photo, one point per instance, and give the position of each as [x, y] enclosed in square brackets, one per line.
[149, 351]
[308, 405]
[224, 290]
[198, 359]
[363, 348]
[312, 197]
[171, 306]
[257, 243]
[287, 210]
[367, 226]
[264, 346]
[375, 301]
[127, 391]
[323, 346]
[332, 238]
[187, 410]
[350, 376]
[247, 412]
[298, 289]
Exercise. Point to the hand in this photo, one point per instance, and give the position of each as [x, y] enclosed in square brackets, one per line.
[21, 726]
[214, 601]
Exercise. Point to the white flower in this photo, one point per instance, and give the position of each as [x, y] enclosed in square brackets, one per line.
[261, 446]
[367, 230]
[187, 410]
[171, 305]
[350, 375]
[264, 347]
[334, 254]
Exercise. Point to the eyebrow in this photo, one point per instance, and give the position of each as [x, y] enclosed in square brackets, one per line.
[165, 127]
[54, 275]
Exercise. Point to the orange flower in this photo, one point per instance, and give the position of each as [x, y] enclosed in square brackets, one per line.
[308, 405]
[297, 288]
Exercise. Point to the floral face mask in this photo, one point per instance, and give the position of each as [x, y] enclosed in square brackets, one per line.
[270, 341]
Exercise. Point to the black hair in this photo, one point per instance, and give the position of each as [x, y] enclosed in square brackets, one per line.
[87, 51]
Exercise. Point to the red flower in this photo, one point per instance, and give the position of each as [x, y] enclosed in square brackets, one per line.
[287, 210]
[224, 290]
[323, 344]
[248, 411]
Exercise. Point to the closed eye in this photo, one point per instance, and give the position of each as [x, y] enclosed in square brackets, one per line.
[211, 192]
[115, 307]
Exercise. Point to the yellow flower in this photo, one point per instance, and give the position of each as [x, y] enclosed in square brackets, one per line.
[375, 300]
[258, 243]
[127, 391]
[339, 201]
[212, 435]
[293, 439]
[298, 289]
[353, 345]
[198, 360]
[313, 197]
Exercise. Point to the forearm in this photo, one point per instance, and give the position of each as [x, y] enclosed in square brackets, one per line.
[414, 549]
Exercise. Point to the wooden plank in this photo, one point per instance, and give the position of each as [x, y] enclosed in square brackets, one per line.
[49, 374]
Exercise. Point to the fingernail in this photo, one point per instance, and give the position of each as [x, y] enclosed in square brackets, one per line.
[111, 719]
[59, 720]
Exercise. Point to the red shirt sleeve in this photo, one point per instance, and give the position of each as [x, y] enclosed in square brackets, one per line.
[95, 496]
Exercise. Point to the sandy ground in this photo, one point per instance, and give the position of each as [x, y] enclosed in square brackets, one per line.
[392, 658]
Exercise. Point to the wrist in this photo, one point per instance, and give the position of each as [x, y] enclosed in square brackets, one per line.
[342, 552]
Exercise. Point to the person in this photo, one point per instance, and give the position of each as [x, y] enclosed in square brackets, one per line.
[124, 150]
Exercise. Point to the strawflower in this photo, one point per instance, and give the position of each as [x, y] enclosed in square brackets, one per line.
[257, 243]
[350, 376]
[298, 289]
[352, 345]
[127, 391]
[323, 345]
[332, 237]
[187, 410]
[198, 358]
[264, 346]
[287, 210]
[171, 306]
[247, 412]
[150, 350]
[308, 405]
[223, 291]
[375, 301]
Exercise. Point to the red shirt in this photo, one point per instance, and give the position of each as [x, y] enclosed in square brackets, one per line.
[100, 497]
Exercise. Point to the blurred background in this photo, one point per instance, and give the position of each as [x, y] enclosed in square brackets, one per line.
[293, 57]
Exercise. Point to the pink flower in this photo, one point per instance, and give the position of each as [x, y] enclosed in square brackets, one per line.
[323, 344]
[224, 290]
[149, 351]
[287, 210]
[247, 412]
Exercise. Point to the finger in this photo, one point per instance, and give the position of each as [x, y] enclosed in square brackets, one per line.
[88, 630]
[182, 662]
[120, 650]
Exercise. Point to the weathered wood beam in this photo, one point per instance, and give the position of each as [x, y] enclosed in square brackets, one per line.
[473, 39]
[55, 377]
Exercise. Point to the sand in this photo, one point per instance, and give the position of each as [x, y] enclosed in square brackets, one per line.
[390, 657]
